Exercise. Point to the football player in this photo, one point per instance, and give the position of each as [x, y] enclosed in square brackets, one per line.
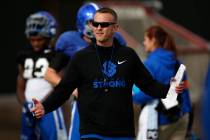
[33, 62]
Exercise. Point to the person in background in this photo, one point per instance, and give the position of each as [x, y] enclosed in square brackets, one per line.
[69, 43]
[32, 64]
[163, 64]
[104, 84]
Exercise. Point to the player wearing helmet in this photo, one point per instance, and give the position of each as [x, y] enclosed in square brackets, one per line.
[32, 64]
[69, 43]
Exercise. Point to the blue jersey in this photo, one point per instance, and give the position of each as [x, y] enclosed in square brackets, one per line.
[71, 41]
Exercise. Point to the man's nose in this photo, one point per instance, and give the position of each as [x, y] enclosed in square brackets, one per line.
[99, 26]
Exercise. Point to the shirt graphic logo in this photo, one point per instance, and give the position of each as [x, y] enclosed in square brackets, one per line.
[109, 69]
[120, 62]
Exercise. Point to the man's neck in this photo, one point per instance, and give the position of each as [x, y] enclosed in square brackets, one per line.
[107, 43]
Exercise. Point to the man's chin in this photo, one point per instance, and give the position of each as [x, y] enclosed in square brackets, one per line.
[101, 39]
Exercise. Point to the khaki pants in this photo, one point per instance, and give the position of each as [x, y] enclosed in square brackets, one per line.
[174, 131]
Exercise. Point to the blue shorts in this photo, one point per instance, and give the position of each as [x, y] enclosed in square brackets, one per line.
[49, 127]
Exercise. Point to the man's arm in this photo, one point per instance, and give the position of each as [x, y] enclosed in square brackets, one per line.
[144, 80]
[149, 85]
[54, 77]
[57, 98]
[63, 90]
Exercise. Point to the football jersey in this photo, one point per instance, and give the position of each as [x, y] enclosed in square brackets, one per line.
[71, 41]
[34, 66]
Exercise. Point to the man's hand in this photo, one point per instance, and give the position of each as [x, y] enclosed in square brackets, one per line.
[38, 109]
[179, 88]
[75, 93]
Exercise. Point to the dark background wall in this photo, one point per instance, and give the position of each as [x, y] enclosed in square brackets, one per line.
[193, 14]
[13, 15]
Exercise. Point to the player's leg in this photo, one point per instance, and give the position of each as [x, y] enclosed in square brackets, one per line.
[52, 126]
[27, 124]
[74, 128]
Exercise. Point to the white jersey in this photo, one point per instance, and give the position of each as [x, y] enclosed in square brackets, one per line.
[35, 65]
[37, 88]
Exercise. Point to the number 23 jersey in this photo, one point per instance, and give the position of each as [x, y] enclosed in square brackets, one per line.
[34, 66]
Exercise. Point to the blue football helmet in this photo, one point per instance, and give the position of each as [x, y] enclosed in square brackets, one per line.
[41, 23]
[85, 14]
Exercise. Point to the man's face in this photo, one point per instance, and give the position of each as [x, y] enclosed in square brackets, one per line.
[104, 27]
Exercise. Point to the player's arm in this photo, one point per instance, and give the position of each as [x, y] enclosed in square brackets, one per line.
[58, 63]
[52, 76]
[20, 88]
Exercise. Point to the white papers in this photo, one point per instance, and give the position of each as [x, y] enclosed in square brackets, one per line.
[171, 98]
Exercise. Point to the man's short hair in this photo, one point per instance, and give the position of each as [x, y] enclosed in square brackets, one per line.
[108, 10]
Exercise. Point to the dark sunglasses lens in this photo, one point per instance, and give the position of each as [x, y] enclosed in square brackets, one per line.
[105, 24]
[102, 24]
[95, 24]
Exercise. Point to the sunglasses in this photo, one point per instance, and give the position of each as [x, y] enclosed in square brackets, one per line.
[102, 24]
